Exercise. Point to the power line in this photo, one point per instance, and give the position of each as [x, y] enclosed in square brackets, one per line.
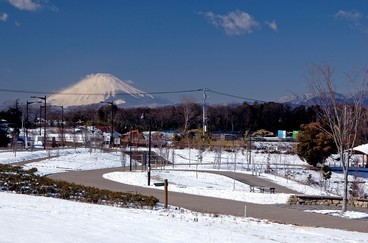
[174, 92]
[24, 91]
[136, 93]
[119, 93]
[235, 96]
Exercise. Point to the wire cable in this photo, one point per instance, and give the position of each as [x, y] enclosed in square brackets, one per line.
[119, 93]
[235, 96]
[136, 93]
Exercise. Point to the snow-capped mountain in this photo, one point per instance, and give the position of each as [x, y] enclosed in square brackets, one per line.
[296, 99]
[307, 99]
[103, 87]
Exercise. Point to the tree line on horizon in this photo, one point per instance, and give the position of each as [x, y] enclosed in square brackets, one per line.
[231, 118]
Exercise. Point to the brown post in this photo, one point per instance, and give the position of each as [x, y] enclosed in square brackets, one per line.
[166, 183]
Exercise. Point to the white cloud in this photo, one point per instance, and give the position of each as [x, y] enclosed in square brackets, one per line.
[4, 17]
[273, 25]
[358, 20]
[352, 15]
[28, 5]
[234, 23]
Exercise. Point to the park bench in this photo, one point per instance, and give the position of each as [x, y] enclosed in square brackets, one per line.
[262, 189]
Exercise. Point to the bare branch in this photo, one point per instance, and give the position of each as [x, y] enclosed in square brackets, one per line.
[341, 118]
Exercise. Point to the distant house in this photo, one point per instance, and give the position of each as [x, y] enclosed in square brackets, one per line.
[132, 138]
[363, 150]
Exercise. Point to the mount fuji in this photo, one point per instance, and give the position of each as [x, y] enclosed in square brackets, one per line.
[103, 87]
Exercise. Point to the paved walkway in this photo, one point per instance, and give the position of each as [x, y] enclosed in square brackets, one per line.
[33, 160]
[275, 213]
[251, 180]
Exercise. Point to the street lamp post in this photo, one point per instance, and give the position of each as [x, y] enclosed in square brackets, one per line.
[149, 148]
[40, 120]
[62, 124]
[112, 121]
[44, 133]
[149, 152]
[27, 121]
[130, 150]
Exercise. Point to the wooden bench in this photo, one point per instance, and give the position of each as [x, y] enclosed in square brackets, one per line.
[263, 189]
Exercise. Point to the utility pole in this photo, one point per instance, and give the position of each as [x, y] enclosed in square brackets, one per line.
[204, 127]
[143, 117]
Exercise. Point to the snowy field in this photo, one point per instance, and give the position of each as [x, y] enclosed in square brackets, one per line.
[204, 184]
[40, 219]
[287, 170]
[107, 224]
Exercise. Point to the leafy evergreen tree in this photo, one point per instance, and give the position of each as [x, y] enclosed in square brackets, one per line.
[314, 146]
[4, 140]
[12, 115]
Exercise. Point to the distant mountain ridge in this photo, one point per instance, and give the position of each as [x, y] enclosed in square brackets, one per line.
[309, 99]
[104, 87]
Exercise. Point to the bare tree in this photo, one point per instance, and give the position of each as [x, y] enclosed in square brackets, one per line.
[341, 118]
[188, 105]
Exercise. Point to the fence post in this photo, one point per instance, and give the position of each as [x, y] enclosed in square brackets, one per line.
[166, 183]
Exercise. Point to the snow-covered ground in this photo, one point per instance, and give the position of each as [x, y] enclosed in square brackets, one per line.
[287, 170]
[204, 184]
[46, 216]
[39, 219]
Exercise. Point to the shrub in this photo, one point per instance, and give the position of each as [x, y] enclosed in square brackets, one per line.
[21, 181]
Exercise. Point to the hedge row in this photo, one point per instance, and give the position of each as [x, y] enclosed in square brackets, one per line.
[17, 180]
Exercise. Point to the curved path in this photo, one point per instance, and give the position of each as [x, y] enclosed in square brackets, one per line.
[250, 180]
[275, 213]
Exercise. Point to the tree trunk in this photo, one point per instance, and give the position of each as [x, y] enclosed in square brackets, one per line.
[345, 194]
[345, 166]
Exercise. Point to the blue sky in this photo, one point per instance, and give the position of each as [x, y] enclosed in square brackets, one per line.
[254, 49]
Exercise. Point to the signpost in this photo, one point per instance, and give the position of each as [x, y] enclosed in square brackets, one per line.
[165, 184]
